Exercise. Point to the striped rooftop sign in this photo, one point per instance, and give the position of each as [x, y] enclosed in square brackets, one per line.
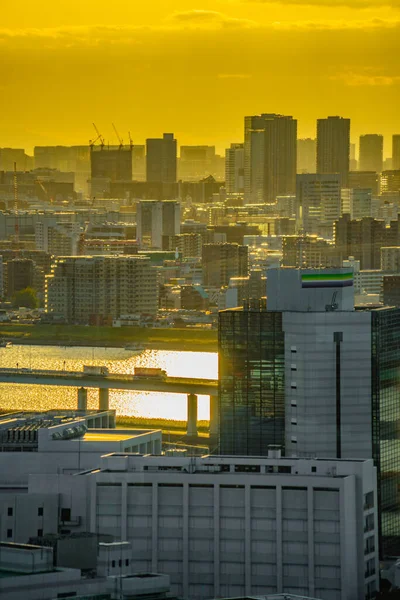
[326, 280]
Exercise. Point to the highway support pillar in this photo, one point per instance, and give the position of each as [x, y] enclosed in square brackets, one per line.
[103, 399]
[82, 398]
[191, 415]
[214, 416]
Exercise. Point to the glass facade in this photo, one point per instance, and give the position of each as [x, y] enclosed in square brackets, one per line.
[386, 423]
[251, 381]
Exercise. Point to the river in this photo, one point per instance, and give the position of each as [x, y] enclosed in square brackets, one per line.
[118, 360]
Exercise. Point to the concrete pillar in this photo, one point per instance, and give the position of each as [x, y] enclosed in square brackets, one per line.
[82, 398]
[214, 416]
[103, 398]
[191, 415]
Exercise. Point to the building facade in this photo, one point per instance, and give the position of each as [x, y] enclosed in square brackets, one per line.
[83, 289]
[371, 153]
[161, 161]
[226, 527]
[269, 157]
[220, 262]
[333, 147]
[335, 360]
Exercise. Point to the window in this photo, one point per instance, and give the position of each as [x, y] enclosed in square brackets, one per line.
[127, 562]
[120, 563]
[9, 533]
[293, 367]
[293, 439]
[40, 532]
[113, 564]
[293, 349]
[10, 511]
[293, 385]
[65, 514]
[313, 469]
[40, 511]
[293, 421]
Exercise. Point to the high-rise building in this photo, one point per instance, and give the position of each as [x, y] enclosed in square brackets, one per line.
[396, 151]
[318, 202]
[111, 162]
[86, 289]
[390, 259]
[390, 182]
[333, 147]
[220, 262]
[155, 220]
[391, 290]
[9, 156]
[161, 159]
[371, 153]
[306, 155]
[327, 370]
[234, 170]
[138, 162]
[269, 157]
[357, 202]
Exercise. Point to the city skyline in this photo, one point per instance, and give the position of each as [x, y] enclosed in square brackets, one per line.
[66, 69]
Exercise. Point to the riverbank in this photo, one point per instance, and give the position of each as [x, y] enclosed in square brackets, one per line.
[113, 337]
[167, 425]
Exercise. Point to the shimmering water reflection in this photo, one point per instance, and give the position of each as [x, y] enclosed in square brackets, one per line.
[118, 360]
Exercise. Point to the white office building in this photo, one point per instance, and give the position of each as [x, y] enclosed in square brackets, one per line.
[224, 526]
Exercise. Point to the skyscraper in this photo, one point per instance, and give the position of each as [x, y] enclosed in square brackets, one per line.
[269, 157]
[326, 369]
[396, 151]
[371, 153]
[156, 219]
[161, 159]
[234, 169]
[333, 146]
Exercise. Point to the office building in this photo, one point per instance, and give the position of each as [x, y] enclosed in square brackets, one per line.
[161, 159]
[326, 362]
[234, 170]
[269, 157]
[371, 153]
[359, 202]
[58, 239]
[17, 156]
[390, 182]
[333, 147]
[318, 202]
[97, 289]
[20, 275]
[156, 220]
[220, 262]
[396, 152]
[235, 526]
[364, 180]
[306, 155]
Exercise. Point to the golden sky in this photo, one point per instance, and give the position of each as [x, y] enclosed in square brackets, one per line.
[194, 67]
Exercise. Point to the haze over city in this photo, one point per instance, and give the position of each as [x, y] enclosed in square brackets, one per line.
[194, 67]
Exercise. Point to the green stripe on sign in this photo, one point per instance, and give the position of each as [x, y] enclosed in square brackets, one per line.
[327, 277]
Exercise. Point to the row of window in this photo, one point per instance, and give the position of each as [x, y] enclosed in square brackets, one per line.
[10, 511]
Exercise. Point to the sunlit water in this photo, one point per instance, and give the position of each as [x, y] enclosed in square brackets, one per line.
[118, 360]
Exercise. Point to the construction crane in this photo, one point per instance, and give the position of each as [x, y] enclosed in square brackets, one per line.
[15, 181]
[98, 138]
[130, 140]
[121, 141]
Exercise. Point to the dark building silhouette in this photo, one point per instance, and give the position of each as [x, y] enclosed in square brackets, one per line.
[371, 153]
[113, 163]
[396, 151]
[391, 290]
[161, 159]
[333, 147]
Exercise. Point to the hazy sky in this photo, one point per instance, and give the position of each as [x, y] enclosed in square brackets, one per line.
[194, 67]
